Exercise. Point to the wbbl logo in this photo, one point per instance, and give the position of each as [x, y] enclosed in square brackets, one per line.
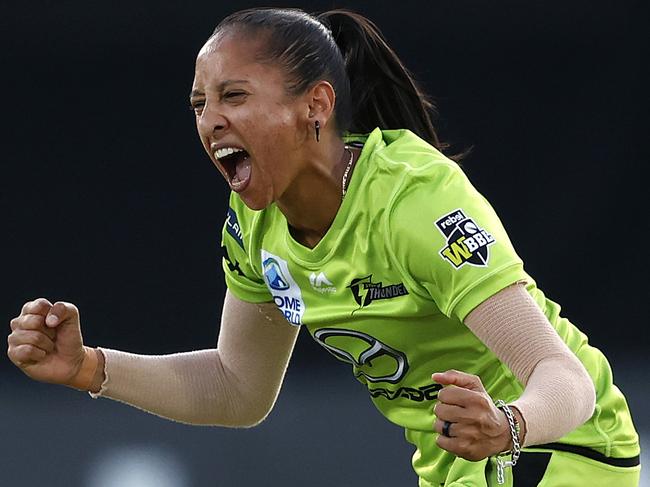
[467, 243]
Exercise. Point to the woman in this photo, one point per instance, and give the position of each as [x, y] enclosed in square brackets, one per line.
[346, 217]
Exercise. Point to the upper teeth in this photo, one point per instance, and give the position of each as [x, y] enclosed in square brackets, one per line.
[226, 151]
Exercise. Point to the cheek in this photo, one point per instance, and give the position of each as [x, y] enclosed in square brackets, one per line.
[277, 133]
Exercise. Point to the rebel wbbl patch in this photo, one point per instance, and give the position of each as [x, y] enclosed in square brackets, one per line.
[467, 243]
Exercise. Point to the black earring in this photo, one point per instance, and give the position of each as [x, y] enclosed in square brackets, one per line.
[317, 128]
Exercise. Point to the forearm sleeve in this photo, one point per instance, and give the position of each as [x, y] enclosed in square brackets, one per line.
[559, 394]
[191, 387]
[235, 384]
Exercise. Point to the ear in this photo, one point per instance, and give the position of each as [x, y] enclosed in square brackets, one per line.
[321, 99]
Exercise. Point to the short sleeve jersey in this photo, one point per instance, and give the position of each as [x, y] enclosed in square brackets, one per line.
[412, 250]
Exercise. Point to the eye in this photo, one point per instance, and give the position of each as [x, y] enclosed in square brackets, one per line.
[235, 96]
[197, 106]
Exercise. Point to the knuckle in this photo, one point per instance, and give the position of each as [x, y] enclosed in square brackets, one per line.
[32, 322]
[17, 354]
[35, 304]
[472, 378]
[483, 422]
[35, 353]
[14, 323]
[12, 356]
[29, 337]
[484, 402]
[474, 435]
[25, 349]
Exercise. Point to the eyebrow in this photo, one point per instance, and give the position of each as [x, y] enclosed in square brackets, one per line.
[220, 87]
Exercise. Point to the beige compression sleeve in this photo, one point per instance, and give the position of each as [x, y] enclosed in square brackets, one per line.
[235, 384]
[559, 394]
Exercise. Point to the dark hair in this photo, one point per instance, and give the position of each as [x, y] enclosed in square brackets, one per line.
[373, 88]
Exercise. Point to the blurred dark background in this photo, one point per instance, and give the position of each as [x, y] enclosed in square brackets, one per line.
[107, 201]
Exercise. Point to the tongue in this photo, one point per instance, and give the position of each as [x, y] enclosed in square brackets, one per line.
[242, 171]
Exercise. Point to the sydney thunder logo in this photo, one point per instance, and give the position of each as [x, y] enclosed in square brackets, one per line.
[467, 243]
[365, 291]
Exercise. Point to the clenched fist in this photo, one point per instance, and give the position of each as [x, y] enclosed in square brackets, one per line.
[475, 428]
[46, 344]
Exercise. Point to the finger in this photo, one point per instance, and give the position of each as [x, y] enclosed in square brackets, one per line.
[455, 430]
[60, 312]
[460, 379]
[458, 396]
[449, 412]
[460, 446]
[32, 322]
[439, 425]
[447, 443]
[26, 354]
[36, 338]
[39, 306]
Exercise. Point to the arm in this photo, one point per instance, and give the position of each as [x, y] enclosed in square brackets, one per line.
[235, 384]
[559, 394]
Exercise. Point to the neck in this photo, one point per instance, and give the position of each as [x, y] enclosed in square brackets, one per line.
[311, 202]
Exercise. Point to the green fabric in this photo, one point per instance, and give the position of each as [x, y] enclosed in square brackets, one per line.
[570, 469]
[412, 250]
[563, 470]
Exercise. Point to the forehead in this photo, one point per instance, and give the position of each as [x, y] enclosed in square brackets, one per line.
[228, 56]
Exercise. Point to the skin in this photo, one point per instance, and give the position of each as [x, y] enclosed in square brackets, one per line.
[479, 429]
[46, 343]
[288, 165]
[241, 102]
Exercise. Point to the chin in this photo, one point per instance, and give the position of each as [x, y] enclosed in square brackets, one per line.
[254, 202]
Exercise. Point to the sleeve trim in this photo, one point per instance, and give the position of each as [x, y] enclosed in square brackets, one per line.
[464, 306]
[247, 293]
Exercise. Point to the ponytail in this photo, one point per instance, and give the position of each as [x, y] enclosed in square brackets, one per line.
[373, 88]
[383, 91]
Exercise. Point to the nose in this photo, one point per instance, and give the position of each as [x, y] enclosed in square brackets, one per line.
[211, 121]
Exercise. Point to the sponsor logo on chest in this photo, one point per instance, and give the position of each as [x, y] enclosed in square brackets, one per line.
[320, 283]
[365, 291]
[286, 293]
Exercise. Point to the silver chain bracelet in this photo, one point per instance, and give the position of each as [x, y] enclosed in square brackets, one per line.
[516, 447]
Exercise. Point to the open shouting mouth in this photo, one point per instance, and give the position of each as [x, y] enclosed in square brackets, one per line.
[236, 165]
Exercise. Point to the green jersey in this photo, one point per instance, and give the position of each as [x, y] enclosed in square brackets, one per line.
[412, 250]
